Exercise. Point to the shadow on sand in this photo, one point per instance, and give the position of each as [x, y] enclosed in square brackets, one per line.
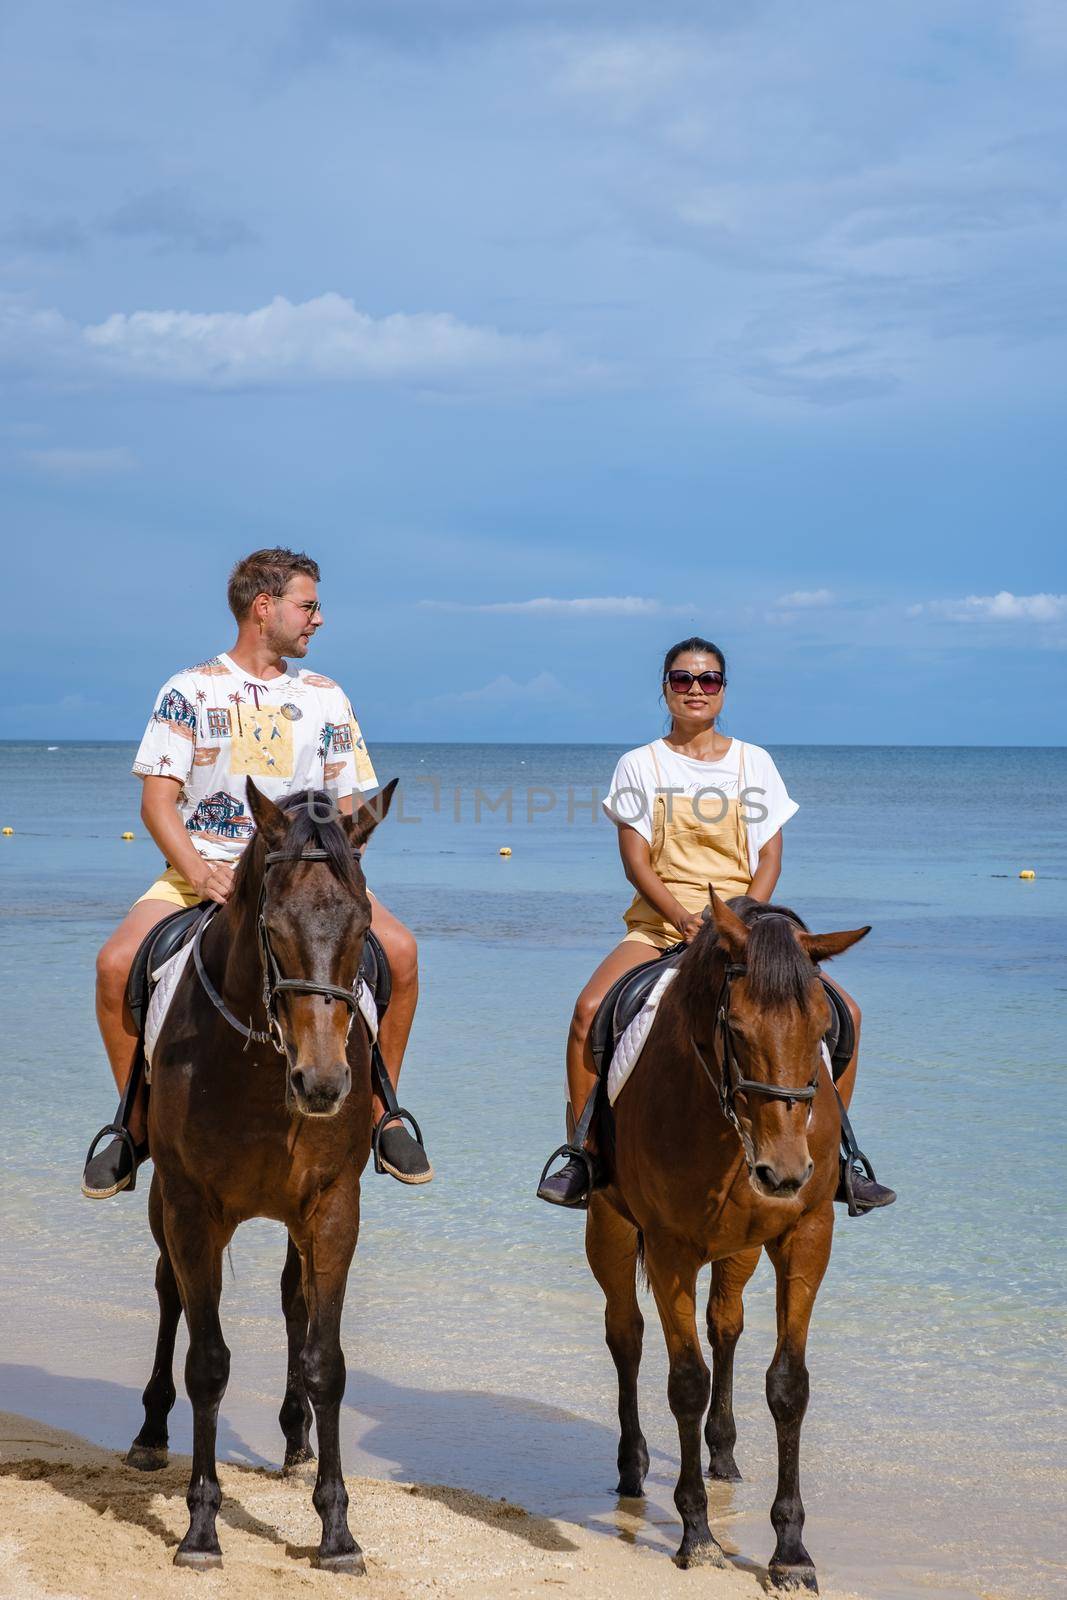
[104, 1483]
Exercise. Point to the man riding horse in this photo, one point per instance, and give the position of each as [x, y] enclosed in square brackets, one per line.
[248, 712]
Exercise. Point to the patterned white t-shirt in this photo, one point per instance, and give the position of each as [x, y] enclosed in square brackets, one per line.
[214, 725]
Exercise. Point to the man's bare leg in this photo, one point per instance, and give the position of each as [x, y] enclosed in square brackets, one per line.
[112, 1013]
[400, 1154]
[112, 1166]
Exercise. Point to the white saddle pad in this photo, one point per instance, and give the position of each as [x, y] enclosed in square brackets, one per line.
[167, 977]
[632, 1039]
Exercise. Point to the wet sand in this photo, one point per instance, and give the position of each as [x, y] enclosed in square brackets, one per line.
[74, 1521]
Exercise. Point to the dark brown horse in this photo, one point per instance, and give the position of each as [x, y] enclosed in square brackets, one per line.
[725, 1142]
[273, 1121]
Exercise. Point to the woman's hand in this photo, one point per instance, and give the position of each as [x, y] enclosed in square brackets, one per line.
[690, 926]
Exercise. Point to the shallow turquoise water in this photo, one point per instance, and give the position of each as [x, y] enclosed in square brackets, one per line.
[473, 1330]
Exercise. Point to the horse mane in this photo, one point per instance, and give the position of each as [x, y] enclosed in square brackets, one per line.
[313, 825]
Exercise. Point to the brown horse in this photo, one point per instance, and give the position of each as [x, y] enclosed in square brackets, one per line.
[265, 1117]
[725, 1141]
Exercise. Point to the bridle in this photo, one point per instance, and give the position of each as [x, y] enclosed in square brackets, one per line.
[730, 1082]
[273, 982]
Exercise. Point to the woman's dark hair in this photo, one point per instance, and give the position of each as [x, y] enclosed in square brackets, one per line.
[698, 647]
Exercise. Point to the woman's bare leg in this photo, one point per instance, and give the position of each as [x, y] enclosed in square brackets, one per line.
[581, 1070]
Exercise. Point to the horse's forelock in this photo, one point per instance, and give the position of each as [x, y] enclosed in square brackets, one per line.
[314, 826]
[779, 970]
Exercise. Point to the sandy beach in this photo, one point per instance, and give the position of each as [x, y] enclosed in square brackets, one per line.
[74, 1521]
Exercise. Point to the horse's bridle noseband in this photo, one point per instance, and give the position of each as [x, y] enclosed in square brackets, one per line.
[273, 982]
[729, 1082]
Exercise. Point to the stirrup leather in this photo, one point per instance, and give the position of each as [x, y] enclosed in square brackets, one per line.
[851, 1158]
[383, 1085]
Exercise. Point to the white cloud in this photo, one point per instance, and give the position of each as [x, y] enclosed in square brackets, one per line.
[801, 598]
[324, 340]
[594, 605]
[61, 462]
[1002, 607]
[506, 691]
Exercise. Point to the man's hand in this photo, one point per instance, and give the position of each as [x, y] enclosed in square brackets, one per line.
[214, 881]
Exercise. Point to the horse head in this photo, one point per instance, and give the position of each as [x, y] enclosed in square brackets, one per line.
[771, 1015]
[312, 920]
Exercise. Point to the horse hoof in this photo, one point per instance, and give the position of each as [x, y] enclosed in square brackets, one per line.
[700, 1555]
[791, 1579]
[724, 1472]
[297, 1458]
[199, 1560]
[631, 1489]
[351, 1562]
[146, 1458]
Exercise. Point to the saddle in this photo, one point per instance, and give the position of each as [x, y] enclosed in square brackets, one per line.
[174, 932]
[172, 935]
[628, 994]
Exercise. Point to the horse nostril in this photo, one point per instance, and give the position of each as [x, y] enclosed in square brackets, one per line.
[297, 1081]
[767, 1176]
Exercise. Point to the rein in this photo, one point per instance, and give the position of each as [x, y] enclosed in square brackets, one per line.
[730, 1082]
[273, 982]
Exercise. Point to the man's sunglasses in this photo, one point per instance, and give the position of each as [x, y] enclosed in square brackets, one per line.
[681, 682]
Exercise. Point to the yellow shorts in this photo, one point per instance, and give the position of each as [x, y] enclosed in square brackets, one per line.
[658, 939]
[174, 888]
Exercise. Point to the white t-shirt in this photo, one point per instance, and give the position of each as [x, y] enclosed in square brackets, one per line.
[214, 725]
[764, 800]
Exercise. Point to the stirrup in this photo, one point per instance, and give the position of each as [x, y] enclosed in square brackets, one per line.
[850, 1159]
[380, 1126]
[128, 1140]
[573, 1152]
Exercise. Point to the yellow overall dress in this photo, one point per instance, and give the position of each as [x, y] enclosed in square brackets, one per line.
[688, 852]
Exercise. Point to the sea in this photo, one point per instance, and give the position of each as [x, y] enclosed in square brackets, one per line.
[932, 1454]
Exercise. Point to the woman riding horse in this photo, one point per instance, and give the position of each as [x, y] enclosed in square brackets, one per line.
[693, 808]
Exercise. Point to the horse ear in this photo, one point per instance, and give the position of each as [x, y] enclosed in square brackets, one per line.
[270, 820]
[363, 821]
[823, 946]
[733, 934]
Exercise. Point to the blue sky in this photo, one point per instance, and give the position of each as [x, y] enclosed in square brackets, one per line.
[555, 329]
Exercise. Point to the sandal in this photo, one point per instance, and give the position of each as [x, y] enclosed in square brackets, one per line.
[399, 1154]
[115, 1168]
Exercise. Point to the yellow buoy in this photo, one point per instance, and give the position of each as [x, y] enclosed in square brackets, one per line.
[505, 850]
[127, 835]
[1028, 872]
[7, 832]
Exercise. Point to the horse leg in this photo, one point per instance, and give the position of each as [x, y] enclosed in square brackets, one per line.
[327, 1250]
[800, 1259]
[726, 1319]
[148, 1452]
[196, 1246]
[611, 1249]
[295, 1414]
[672, 1272]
